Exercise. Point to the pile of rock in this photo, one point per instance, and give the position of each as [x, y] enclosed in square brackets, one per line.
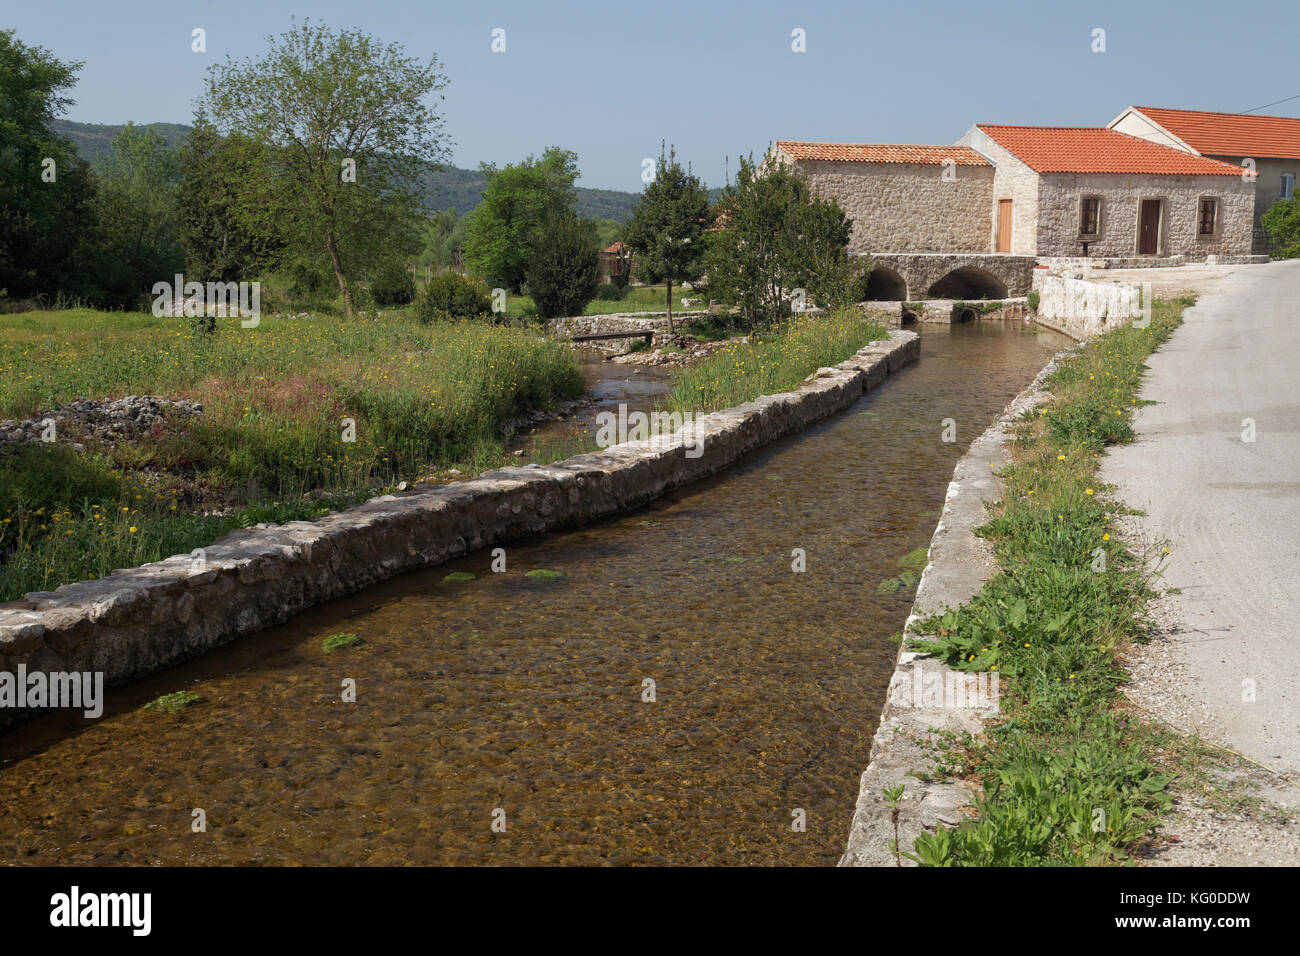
[104, 420]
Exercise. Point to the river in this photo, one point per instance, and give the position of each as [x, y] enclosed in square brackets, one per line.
[508, 719]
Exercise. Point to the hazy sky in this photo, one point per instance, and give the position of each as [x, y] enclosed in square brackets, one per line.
[610, 79]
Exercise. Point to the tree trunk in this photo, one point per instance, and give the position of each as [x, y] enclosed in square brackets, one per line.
[333, 248]
[670, 306]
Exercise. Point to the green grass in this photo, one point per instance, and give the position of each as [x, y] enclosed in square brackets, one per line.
[270, 445]
[1067, 777]
[772, 363]
[635, 299]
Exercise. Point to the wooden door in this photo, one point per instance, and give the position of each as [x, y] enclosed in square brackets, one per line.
[1149, 228]
[1004, 225]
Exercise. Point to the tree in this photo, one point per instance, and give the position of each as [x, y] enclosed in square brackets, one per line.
[45, 190]
[347, 134]
[228, 226]
[778, 237]
[666, 230]
[518, 201]
[135, 210]
[564, 265]
[1283, 224]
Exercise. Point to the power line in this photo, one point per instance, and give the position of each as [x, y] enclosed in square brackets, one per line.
[1274, 103]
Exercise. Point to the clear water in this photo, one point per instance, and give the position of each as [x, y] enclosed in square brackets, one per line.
[525, 695]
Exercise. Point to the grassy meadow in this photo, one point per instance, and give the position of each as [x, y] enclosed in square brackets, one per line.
[270, 444]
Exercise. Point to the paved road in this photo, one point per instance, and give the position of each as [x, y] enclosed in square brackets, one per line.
[1230, 508]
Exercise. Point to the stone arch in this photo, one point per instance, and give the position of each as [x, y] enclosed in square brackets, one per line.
[885, 285]
[969, 282]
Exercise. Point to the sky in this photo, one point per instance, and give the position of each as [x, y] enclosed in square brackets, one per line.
[610, 80]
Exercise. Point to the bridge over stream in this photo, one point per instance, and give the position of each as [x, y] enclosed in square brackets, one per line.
[906, 276]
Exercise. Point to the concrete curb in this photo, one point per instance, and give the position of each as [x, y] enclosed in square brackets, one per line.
[959, 565]
[140, 620]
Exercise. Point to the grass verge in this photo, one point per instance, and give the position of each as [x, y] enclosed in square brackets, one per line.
[775, 362]
[1067, 776]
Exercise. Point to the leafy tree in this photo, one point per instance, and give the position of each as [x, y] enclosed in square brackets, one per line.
[518, 201]
[228, 226]
[564, 265]
[778, 236]
[444, 239]
[45, 226]
[347, 135]
[666, 230]
[1283, 224]
[136, 213]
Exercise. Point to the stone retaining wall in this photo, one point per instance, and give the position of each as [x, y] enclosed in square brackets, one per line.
[619, 322]
[1082, 308]
[959, 564]
[136, 621]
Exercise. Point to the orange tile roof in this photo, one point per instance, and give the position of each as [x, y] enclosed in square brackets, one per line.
[1096, 149]
[882, 153]
[1231, 134]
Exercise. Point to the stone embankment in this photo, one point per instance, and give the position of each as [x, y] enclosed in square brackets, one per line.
[927, 697]
[139, 620]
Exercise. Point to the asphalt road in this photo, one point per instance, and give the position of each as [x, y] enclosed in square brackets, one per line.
[1229, 508]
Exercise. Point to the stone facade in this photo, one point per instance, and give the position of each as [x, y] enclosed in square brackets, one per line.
[1015, 181]
[908, 207]
[1269, 170]
[1059, 196]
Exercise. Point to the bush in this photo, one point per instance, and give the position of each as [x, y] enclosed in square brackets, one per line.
[452, 295]
[609, 292]
[1032, 301]
[564, 269]
[1283, 224]
[392, 284]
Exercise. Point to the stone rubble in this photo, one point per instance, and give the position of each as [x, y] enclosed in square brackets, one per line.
[104, 420]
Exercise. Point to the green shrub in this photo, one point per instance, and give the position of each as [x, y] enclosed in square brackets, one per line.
[609, 292]
[452, 295]
[392, 284]
[1032, 301]
[564, 269]
[1283, 224]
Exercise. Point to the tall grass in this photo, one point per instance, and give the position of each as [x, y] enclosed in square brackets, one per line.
[272, 440]
[1067, 776]
[773, 363]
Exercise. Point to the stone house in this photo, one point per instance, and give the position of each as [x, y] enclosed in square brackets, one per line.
[1095, 191]
[900, 198]
[1269, 146]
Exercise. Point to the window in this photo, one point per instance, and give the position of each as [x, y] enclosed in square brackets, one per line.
[1209, 220]
[1089, 215]
[1288, 186]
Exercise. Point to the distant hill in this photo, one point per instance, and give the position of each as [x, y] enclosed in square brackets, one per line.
[451, 187]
